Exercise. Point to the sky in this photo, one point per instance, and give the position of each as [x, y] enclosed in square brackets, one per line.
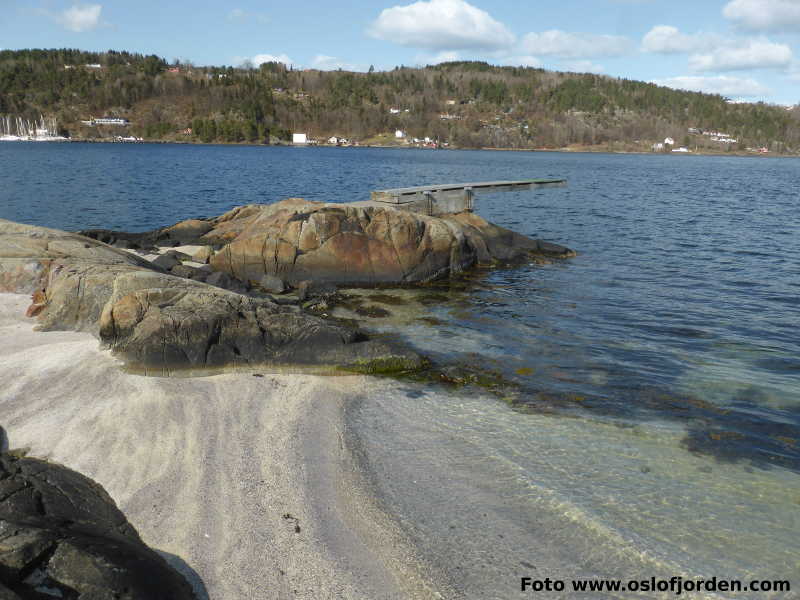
[746, 50]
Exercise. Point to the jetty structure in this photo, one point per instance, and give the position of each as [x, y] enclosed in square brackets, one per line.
[441, 199]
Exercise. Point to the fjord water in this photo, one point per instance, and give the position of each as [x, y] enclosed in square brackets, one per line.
[657, 425]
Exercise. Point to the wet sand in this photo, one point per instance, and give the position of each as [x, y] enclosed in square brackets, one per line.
[244, 483]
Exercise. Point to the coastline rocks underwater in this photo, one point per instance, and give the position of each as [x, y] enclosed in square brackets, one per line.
[221, 307]
[194, 312]
[159, 322]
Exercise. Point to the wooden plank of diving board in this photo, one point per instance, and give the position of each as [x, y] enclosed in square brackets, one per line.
[481, 186]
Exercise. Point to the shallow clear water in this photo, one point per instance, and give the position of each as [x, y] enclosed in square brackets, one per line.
[661, 367]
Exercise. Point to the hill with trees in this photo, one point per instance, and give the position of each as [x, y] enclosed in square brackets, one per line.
[463, 104]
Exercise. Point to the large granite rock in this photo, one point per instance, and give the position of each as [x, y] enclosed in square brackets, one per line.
[160, 327]
[159, 322]
[297, 240]
[359, 244]
[62, 536]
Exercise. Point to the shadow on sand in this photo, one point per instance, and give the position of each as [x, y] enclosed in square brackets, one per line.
[176, 562]
[189, 574]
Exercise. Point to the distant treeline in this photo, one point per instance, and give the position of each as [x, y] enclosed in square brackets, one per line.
[468, 104]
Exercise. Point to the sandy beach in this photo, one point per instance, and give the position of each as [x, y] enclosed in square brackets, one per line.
[244, 483]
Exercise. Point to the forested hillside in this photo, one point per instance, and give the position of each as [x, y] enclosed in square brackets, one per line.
[466, 104]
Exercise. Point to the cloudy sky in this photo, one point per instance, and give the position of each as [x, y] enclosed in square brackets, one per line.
[743, 49]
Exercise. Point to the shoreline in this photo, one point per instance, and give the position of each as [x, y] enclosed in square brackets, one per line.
[243, 483]
[565, 150]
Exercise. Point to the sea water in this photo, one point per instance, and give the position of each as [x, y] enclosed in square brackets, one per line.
[653, 430]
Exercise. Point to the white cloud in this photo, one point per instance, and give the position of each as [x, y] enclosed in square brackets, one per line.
[575, 45]
[441, 24]
[793, 72]
[754, 54]
[260, 59]
[324, 62]
[764, 15]
[722, 84]
[439, 57]
[80, 17]
[712, 52]
[520, 61]
[240, 15]
[665, 39]
[583, 66]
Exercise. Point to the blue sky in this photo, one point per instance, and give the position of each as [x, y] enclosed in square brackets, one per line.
[743, 49]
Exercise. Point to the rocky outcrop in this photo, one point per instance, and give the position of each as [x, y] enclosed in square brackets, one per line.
[158, 322]
[166, 315]
[358, 244]
[195, 326]
[62, 536]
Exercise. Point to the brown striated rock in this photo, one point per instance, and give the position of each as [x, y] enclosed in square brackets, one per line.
[163, 329]
[202, 255]
[493, 243]
[38, 303]
[357, 244]
[27, 253]
[298, 240]
[159, 322]
[187, 230]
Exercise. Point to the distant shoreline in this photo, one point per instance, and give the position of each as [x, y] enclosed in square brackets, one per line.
[565, 150]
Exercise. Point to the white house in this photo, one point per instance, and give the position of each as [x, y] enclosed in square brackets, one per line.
[394, 111]
[299, 138]
[669, 141]
[399, 134]
[111, 121]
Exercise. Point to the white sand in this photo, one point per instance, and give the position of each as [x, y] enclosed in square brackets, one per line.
[206, 468]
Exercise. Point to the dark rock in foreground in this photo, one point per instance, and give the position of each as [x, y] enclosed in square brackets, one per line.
[159, 322]
[62, 536]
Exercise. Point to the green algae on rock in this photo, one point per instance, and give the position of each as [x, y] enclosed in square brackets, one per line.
[160, 323]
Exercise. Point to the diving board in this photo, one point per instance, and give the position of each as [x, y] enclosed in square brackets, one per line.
[453, 197]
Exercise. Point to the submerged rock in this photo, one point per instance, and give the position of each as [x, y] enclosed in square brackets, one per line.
[159, 322]
[62, 536]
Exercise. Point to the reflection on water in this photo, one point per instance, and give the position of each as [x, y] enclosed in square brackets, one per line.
[658, 404]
